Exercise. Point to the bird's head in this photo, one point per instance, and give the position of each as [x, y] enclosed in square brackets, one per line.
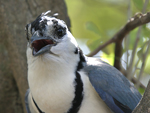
[50, 36]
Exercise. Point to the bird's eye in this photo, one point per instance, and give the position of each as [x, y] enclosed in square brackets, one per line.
[61, 32]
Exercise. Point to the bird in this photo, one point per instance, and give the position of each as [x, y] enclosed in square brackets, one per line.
[63, 80]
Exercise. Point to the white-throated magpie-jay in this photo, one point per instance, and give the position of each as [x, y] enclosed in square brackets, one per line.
[63, 80]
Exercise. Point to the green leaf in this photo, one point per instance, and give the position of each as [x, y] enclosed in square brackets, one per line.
[108, 58]
[133, 36]
[138, 4]
[147, 66]
[92, 27]
[140, 53]
[141, 90]
[145, 31]
[93, 43]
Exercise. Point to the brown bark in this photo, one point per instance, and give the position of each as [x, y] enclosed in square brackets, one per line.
[144, 104]
[14, 15]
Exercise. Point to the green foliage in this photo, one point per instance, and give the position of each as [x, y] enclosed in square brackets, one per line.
[98, 20]
[145, 31]
[138, 4]
[92, 27]
[133, 36]
[141, 90]
[147, 66]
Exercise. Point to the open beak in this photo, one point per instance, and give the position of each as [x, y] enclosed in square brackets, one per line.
[41, 45]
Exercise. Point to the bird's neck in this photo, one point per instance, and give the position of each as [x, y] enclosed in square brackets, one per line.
[50, 81]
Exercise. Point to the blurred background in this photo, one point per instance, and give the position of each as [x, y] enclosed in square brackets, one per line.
[92, 22]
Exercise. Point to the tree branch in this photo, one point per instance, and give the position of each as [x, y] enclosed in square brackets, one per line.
[130, 68]
[144, 104]
[101, 47]
[137, 20]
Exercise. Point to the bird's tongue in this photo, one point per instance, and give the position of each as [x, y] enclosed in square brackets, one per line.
[38, 44]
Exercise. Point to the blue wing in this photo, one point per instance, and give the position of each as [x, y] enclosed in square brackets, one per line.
[115, 90]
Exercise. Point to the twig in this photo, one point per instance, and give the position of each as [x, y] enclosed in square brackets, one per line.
[135, 67]
[130, 68]
[101, 47]
[135, 81]
[129, 74]
[143, 63]
[130, 25]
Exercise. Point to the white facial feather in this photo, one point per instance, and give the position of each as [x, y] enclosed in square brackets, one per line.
[66, 46]
[48, 31]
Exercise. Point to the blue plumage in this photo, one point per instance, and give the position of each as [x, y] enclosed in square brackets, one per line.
[114, 89]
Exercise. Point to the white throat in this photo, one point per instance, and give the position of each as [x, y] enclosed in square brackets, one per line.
[50, 81]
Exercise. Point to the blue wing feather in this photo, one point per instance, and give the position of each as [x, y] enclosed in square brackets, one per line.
[108, 99]
[115, 89]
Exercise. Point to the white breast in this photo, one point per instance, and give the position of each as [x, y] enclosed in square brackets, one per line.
[51, 87]
[92, 102]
